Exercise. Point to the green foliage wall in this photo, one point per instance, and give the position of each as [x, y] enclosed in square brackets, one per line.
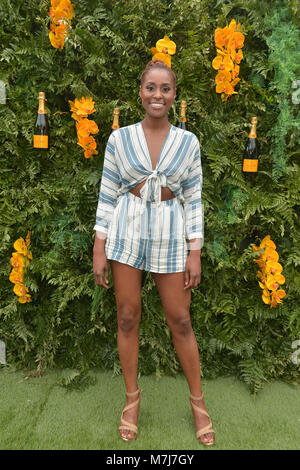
[54, 194]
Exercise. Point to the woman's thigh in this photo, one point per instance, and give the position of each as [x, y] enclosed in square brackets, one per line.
[127, 285]
[175, 299]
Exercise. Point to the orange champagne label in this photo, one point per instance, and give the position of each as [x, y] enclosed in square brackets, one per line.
[250, 164]
[40, 141]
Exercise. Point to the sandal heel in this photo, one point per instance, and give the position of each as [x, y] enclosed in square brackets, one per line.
[125, 425]
[206, 429]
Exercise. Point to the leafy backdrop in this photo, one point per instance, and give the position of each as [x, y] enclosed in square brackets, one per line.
[71, 322]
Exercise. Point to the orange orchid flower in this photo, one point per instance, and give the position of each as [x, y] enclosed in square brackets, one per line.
[261, 263]
[25, 298]
[266, 296]
[227, 35]
[61, 13]
[89, 153]
[166, 58]
[163, 50]
[227, 40]
[221, 38]
[218, 62]
[57, 35]
[17, 261]
[268, 242]
[74, 111]
[85, 127]
[20, 289]
[273, 267]
[20, 246]
[279, 294]
[273, 281]
[235, 72]
[166, 46]
[82, 108]
[222, 76]
[270, 254]
[236, 41]
[89, 146]
[276, 297]
[270, 274]
[235, 82]
[85, 141]
[58, 43]
[16, 276]
[232, 25]
[223, 62]
[225, 87]
[237, 56]
[62, 9]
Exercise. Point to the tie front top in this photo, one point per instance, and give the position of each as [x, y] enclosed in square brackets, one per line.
[127, 163]
[151, 191]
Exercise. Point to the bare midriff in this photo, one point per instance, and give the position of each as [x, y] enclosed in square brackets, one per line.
[166, 193]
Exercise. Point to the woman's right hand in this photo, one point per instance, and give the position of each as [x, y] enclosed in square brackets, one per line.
[100, 267]
[100, 264]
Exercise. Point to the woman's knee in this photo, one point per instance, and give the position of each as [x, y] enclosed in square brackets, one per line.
[128, 318]
[180, 324]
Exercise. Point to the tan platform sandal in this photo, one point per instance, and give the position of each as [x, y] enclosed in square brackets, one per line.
[125, 425]
[206, 429]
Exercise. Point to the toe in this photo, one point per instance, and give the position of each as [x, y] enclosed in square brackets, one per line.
[207, 438]
[127, 435]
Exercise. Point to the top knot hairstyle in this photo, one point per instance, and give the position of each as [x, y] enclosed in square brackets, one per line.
[158, 64]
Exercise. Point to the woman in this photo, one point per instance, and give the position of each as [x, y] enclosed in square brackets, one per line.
[149, 203]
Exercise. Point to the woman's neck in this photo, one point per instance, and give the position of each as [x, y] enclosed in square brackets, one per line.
[153, 124]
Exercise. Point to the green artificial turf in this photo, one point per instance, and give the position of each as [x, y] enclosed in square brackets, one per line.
[38, 413]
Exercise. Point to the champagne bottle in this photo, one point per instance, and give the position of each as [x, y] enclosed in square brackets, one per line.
[250, 161]
[115, 124]
[182, 119]
[40, 138]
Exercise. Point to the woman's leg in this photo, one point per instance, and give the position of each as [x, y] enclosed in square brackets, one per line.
[176, 303]
[127, 284]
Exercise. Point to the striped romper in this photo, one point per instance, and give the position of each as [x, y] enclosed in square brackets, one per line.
[147, 233]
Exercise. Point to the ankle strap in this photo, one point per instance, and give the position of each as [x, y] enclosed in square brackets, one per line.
[133, 393]
[196, 398]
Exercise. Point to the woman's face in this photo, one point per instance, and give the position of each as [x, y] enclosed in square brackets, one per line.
[157, 92]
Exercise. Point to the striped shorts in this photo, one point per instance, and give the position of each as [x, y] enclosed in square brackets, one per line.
[150, 237]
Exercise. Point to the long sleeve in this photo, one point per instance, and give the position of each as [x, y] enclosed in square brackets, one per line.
[110, 183]
[193, 208]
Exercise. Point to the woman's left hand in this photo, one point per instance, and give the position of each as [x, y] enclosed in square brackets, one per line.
[192, 274]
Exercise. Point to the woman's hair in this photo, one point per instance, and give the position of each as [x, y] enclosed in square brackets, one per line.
[158, 64]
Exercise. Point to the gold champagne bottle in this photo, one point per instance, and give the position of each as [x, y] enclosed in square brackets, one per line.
[40, 138]
[182, 118]
[115, 124]
[250, 161]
